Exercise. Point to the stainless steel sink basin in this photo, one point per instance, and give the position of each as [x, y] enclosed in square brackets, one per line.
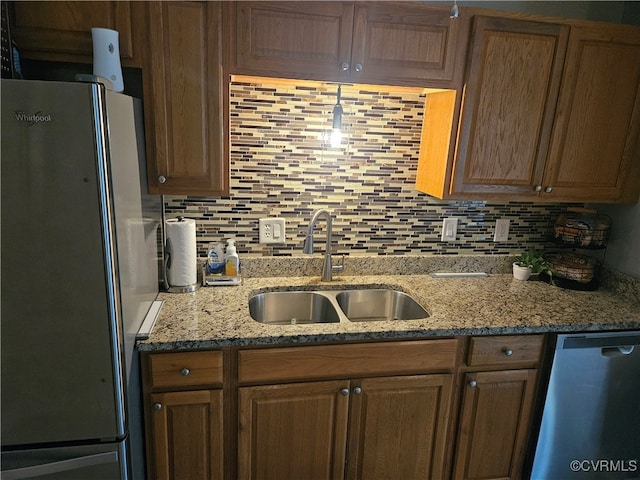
[379, 305]
[290, 308]
[332, 306]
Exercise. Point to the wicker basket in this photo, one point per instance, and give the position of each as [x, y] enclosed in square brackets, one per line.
[582, 230]
[572, 266]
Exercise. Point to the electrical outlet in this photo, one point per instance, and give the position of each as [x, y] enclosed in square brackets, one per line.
[271, 230]
[449, 229]
[501, 233]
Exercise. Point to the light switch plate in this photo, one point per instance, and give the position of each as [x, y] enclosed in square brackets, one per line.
[271, 230]
[501, 233]
[449, 229]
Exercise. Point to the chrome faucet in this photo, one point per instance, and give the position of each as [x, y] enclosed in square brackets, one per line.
[327, 266]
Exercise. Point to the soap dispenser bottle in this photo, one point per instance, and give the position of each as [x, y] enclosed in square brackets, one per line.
[232, 261]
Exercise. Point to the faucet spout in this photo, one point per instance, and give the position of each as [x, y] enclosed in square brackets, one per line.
[327, 267]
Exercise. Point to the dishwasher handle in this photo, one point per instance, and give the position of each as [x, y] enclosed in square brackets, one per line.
[624, 343]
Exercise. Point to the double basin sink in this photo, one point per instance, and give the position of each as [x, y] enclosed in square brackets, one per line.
[333, 306]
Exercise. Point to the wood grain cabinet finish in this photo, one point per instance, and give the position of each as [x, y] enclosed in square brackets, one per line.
[355, 411]
[184, 415]
[595, 151]
[494, 424]
[293, 431]
[187, 435]
[551, 112]
[364, 42]
[185, 107]
[509, 106]
[396, 427]
[61, 30]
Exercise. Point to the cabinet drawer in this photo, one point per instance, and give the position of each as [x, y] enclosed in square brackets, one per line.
[505, 350]
[186, 369]
[346, 361]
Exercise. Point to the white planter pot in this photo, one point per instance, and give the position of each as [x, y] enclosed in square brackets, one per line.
[521, 273]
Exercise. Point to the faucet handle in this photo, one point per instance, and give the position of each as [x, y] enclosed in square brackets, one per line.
[340, 266]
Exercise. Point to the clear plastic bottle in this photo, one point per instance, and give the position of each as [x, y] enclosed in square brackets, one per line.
[231, 260]
[215, 260]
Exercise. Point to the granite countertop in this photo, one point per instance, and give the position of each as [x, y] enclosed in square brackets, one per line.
[219, 316]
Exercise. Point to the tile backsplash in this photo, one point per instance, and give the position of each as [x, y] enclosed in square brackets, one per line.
[283, 166]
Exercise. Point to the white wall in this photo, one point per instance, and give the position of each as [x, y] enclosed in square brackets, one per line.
[623, 251]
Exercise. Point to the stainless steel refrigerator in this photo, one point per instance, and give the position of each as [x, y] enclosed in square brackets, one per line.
[79, 273]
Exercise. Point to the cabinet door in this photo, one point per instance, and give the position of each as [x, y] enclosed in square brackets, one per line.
[594, 153]
[187, 435]
[509, 104]
[61, 30]
[398, 427]
[294, 431]
[185, 111]
[310, 40]
[494, 424]
[402, 45]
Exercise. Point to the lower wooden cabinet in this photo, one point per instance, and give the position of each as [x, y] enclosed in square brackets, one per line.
[423, 409]
[498, 395]
[184, 415]
[187, 435]
[376, 428]
[398, 427]
[293, 431]
[494, 424]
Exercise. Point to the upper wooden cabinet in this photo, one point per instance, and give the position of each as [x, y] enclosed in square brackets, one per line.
[550, 113]
[61, 31]
[186, 115]
[512, 88]
[594, 149]
[372, 42]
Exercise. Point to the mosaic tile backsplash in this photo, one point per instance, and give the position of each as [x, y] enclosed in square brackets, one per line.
[283, 166]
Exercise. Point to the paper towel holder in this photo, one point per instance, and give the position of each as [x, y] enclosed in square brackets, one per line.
[167, 265]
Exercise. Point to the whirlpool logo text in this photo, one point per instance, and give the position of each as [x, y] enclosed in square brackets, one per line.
[32, 118]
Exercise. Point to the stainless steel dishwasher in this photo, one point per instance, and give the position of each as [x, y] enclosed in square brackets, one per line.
[591, 417]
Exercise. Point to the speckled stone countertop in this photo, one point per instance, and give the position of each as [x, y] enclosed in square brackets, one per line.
[219, 316]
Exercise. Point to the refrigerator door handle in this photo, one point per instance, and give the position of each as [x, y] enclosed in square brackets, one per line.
[62, 466]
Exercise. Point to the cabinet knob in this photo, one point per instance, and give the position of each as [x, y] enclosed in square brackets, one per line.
[345, 66]
[358, 67]
[162, 179]
[157, 406]
[184, 372]
[357, 390]
[473, 384]
[538, 188]
[507, 351]
[344, 391]
[548, 189]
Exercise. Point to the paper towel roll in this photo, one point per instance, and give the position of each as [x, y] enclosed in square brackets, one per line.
[181, 247]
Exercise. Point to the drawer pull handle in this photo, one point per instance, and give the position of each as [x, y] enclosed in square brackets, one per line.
[344, 391]
[345, 66]
[162, 179]
[157, 406]
[357, 390]
[473, 384]
[358, 67]
[184, 372]
[508, 352]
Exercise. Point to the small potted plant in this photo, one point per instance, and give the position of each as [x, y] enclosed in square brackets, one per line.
[531, 262]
